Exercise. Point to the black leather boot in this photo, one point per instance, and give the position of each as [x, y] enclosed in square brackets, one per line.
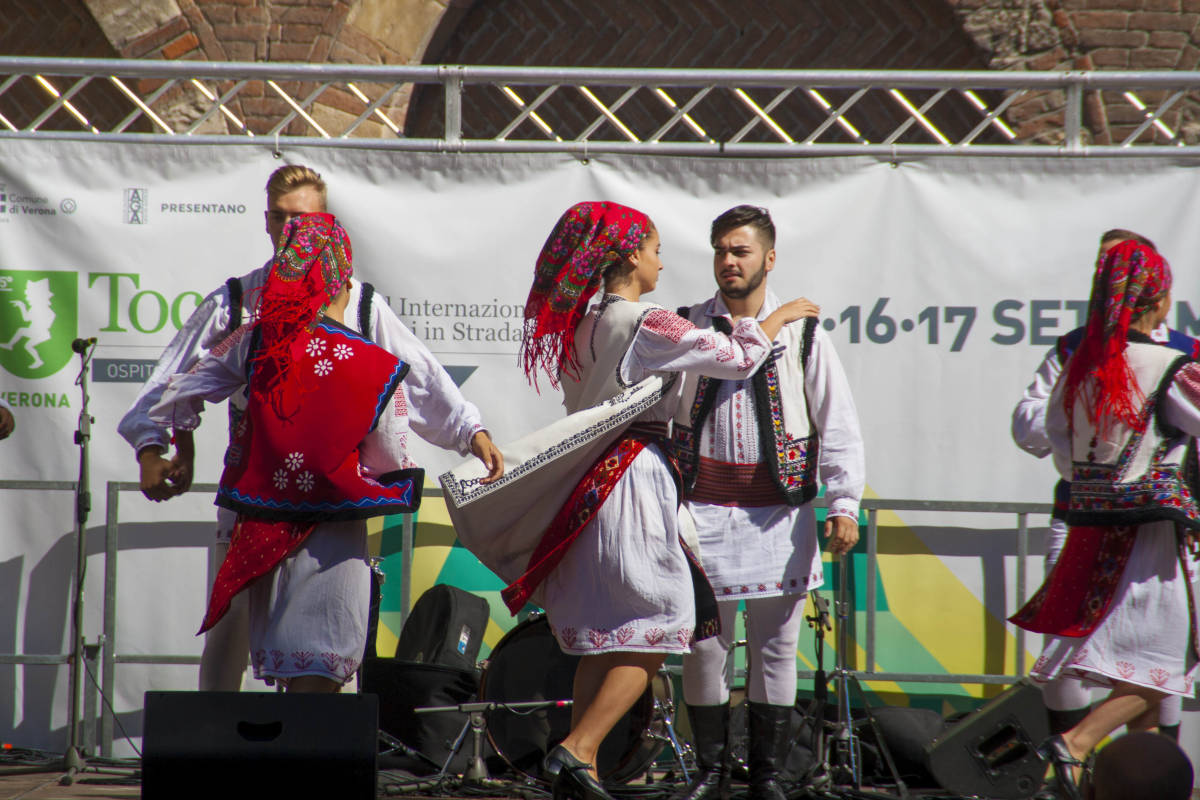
[770, 741]
[710, 734]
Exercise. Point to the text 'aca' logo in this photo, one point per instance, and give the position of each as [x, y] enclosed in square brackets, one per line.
[38, 313]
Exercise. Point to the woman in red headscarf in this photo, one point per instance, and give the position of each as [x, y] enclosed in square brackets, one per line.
[616, 582]
[1122, 420]
[319, 449]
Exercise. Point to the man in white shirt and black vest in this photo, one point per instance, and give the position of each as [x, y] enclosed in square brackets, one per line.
[753, 454]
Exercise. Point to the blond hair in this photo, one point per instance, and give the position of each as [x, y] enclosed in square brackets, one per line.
[291, 177]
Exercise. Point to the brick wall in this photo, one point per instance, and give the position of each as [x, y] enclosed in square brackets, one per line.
[999, 34]
[1087, 35]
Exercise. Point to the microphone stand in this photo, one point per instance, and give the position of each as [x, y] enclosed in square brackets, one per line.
[73, 759]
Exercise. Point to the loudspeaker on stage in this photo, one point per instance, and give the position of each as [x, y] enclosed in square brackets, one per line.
[992, 752]
[247, 744]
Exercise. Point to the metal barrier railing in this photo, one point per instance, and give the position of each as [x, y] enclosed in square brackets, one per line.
[103, 653]
[592, 110]
[871, 507]
[90, 653]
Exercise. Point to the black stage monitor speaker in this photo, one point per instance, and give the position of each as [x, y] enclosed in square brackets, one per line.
[259, 744]
[403, 686]
[992, 752]
[445, 627]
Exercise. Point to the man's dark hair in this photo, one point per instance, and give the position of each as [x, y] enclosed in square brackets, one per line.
[754, 216]
[1141, 765]
[1126, 235]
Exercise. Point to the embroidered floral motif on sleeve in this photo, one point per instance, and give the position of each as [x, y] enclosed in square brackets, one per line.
[323, 367]
[744, 334]
[281, 479]
[223, 347]
[316, 347]
[667, 324]
[305, 481]
[294, 460]
[400, 402]
[1188, 381]
[343, 351]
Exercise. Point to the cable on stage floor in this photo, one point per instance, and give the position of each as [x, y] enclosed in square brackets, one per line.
[26, 757]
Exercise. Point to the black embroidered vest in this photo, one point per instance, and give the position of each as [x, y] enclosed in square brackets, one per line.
[792, 462]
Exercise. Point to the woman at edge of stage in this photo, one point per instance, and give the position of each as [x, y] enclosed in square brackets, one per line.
[619, 587]
[1123, 415]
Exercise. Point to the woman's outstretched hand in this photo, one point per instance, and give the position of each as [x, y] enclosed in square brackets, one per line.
[486, 451]
[790, 311]
[799, 308]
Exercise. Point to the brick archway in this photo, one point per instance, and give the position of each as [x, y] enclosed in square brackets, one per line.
[313, 31]
[778, 34]
[61, 27]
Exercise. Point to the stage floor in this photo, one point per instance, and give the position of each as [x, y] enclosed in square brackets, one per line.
[46, 786]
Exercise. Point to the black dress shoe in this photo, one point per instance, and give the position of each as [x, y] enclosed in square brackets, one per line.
[1055, 751]
[572, 778]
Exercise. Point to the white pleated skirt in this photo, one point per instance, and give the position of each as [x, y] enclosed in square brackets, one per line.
[1144, 638]
[624, 584]
[309, 615]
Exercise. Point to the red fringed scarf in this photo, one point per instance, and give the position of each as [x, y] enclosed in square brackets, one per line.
[1128, 279]
[313, 261]
[589, 238]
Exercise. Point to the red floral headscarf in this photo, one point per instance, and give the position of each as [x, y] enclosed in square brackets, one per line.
[313, 261]
[589, 238]
[1129, 279]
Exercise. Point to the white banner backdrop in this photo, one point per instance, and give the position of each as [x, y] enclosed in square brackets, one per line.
[942, 282]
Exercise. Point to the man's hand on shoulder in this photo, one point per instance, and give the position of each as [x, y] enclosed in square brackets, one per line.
[486, 451]
[841, 533]
[7, 423]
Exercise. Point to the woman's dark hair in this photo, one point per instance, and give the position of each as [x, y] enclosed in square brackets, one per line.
[1126, 235]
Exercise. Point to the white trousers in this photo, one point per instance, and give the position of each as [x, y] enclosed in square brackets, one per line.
[226, 651]
[773, 629]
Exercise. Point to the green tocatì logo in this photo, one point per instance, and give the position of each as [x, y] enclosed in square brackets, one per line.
[38, 313]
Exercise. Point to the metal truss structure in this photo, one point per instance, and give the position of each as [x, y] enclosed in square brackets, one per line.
[678, 112]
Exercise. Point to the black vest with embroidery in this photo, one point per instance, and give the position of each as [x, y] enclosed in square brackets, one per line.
[792, 463]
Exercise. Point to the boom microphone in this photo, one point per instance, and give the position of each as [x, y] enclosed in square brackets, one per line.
[81, 345]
